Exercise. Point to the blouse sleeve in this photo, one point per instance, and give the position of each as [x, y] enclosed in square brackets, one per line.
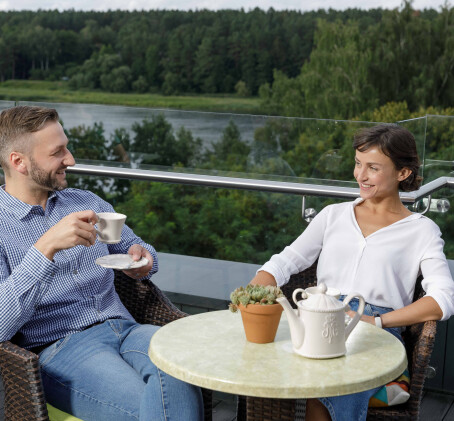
[301, 254]
[438, 282]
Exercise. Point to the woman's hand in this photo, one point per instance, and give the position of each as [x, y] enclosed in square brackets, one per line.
[364, 318]
[422, 310]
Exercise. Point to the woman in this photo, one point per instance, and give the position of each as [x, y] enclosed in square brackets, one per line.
[374, 246]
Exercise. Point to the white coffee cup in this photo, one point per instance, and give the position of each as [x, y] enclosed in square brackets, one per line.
[109, 227]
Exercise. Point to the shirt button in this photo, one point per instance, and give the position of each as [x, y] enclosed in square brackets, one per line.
[75, 271]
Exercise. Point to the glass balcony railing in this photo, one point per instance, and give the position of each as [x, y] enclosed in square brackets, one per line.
[6, 104]
[213, 142]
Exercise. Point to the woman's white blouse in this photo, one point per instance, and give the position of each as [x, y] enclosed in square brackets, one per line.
[382, 267]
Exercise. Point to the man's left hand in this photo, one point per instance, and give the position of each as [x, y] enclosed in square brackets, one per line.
[136, 251]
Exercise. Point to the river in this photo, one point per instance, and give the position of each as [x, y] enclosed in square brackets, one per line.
[205, 125]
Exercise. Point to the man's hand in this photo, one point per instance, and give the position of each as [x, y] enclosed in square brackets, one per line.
[76, 229]
[136, 251]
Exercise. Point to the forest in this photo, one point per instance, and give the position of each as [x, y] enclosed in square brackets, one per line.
[323, 64]
[169, 51]
[166, 51]
[407, 56]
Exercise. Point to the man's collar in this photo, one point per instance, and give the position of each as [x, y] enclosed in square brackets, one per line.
[17, 207]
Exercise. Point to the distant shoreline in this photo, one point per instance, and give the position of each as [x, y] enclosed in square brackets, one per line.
[44, 91]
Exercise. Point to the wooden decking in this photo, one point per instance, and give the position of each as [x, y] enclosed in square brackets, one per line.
[437, 407]
[434, 407]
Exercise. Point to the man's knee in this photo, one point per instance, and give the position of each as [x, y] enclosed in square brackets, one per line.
[139, 338]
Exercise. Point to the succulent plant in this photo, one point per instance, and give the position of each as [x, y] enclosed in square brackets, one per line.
[254, 294]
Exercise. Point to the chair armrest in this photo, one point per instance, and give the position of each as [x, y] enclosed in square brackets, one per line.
[422, 341]
[145, 301]
[419, 340]
[24, 394]
[304, 279]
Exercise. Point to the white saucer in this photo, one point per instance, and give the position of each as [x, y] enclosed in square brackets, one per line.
[120, 261]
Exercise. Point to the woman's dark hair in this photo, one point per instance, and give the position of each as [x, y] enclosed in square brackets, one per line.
[398, 144]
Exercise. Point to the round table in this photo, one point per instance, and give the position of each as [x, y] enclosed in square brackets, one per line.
[210, 350]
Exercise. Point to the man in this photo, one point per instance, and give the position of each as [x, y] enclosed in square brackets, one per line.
[57, 302]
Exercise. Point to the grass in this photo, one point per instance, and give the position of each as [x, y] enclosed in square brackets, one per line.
[44, 91]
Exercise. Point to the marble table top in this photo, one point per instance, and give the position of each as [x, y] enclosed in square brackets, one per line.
[210, 350]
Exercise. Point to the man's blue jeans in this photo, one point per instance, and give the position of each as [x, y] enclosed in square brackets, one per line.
[104, 373]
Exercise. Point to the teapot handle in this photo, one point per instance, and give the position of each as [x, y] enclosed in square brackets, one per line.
[353, 322]
[295, 293]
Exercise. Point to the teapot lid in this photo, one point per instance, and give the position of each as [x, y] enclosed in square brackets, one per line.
[322, 302]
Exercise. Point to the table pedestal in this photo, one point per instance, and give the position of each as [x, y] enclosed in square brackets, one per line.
[258, 409]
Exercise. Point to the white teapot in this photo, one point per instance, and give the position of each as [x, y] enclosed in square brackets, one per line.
[318, 330]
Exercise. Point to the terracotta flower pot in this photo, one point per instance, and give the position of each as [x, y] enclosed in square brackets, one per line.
[261, 322]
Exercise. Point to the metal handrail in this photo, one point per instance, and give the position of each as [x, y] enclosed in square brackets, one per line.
[301, 189]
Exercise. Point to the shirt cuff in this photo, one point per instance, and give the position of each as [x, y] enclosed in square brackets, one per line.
[441, 289]
[276, 271]
[154, 255]
[445, 301]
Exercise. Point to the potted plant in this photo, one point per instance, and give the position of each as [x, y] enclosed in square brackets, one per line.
[259, 311]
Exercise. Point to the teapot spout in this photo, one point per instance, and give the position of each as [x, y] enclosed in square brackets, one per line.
[295, 324]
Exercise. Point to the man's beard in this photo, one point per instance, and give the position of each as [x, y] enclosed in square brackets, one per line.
[44, 179]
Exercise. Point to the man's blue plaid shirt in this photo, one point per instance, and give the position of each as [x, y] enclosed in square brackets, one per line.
[46, 300]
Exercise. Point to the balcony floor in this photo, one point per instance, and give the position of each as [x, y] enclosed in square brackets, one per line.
[434, 407]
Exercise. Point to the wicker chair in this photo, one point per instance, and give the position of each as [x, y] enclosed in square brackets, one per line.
[24, 395]
[419, 340]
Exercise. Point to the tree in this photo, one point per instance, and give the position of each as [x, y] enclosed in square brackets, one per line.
[241, 89]
[208, 65]
[103, 70]
[88, 143]
[285, 96]
[68, 48]
[153, 68]
[117, 80]
[154, 143]
[133, 41]
[335, 80]
[11, 50]
[444, 61]
[215, 223]
[140, 85]
[179, 62]
[5, 60]
[230, 152]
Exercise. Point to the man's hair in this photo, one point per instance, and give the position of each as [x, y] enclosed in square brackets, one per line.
[16, 124]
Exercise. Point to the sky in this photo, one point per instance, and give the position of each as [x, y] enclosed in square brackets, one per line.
[302, 5]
